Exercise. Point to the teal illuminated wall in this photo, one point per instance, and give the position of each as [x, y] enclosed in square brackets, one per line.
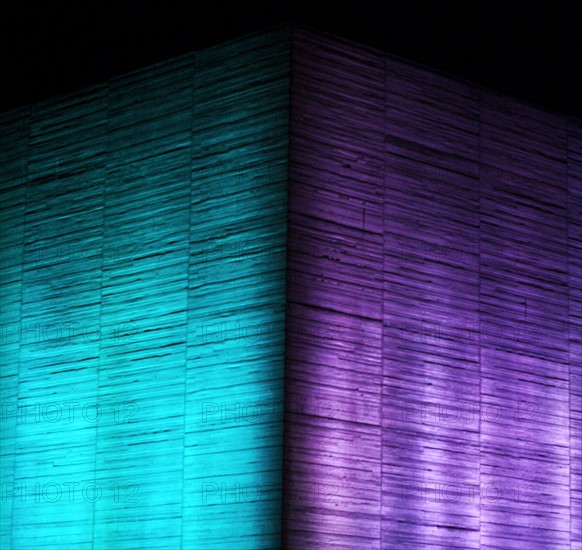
[143, 302]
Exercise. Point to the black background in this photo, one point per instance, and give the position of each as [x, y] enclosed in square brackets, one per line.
[527, 49]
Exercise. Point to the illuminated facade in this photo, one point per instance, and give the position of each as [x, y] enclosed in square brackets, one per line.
[290, 292]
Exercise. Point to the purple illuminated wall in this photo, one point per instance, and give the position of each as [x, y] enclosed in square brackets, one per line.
[434, 311]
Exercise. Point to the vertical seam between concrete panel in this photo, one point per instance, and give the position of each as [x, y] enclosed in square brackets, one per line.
[381, 400]
[479, 309]
[187, 297]
[568, 322]
[26, 186]
[104, 187]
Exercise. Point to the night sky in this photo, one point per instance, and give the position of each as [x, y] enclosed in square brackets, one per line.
[528, 50]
